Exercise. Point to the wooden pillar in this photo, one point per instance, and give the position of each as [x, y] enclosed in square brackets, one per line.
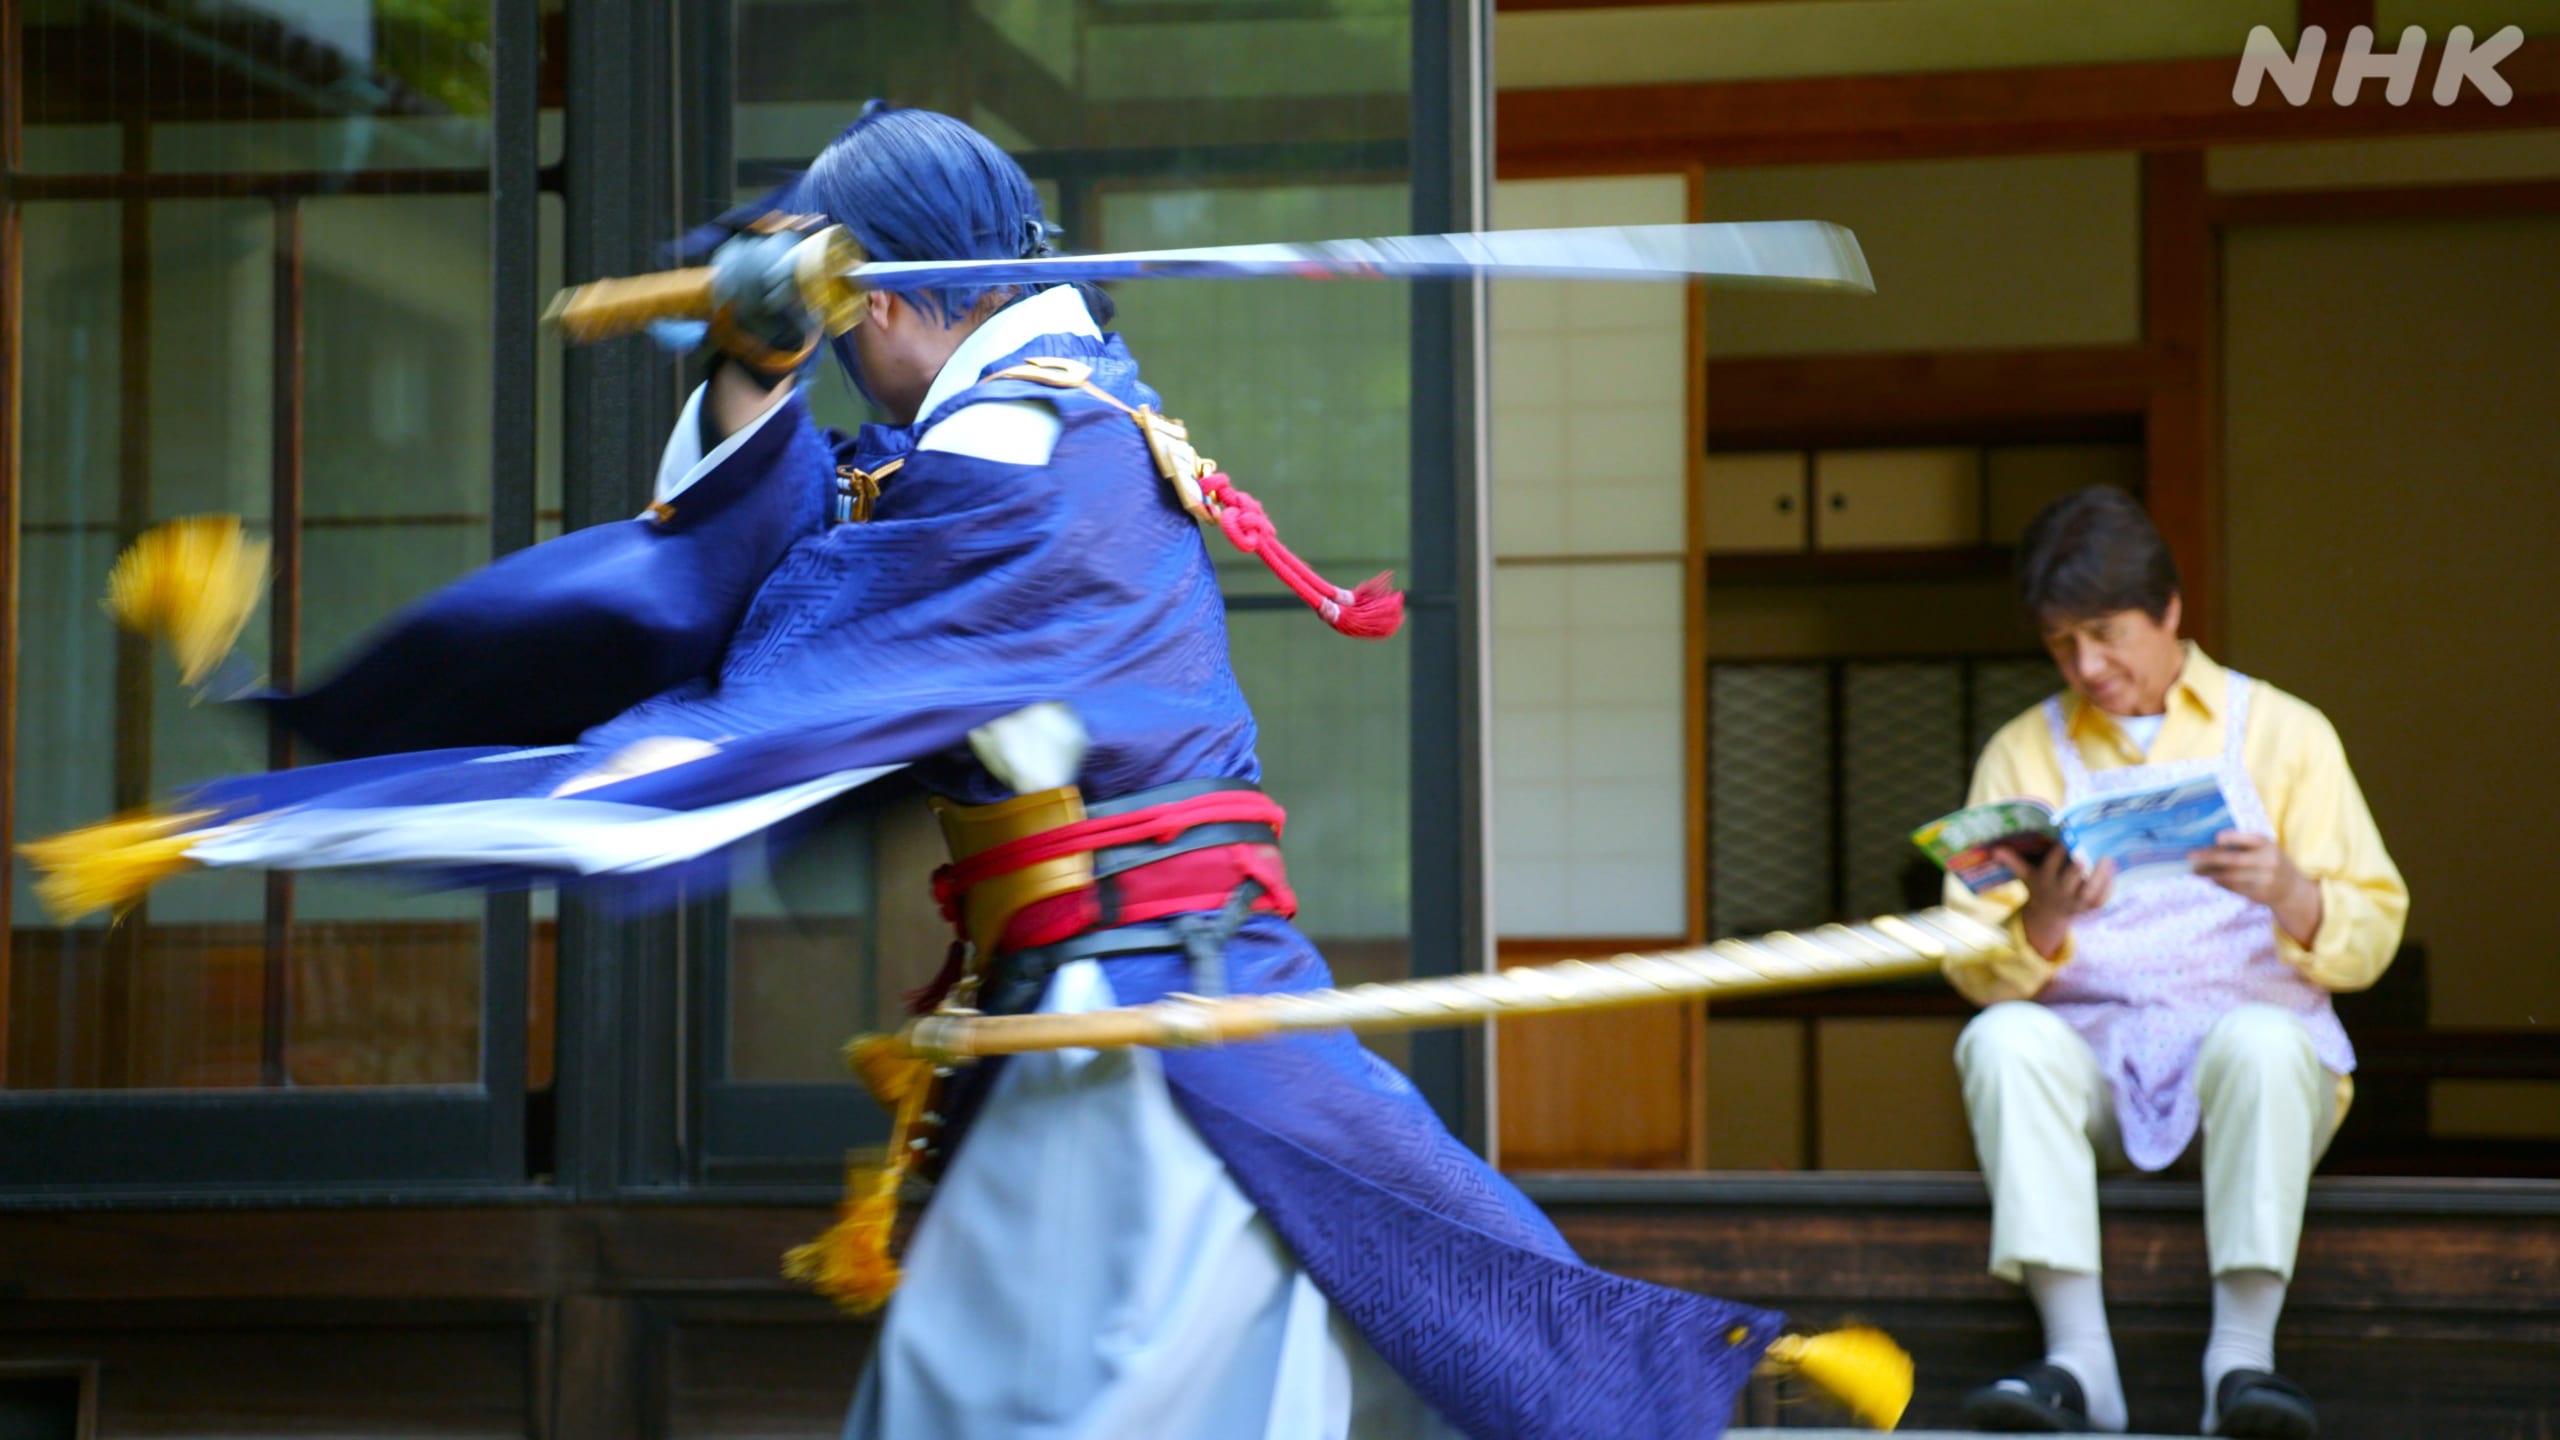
[131, 783]
[593, 1379]
[284, 607]
[1697, 700]
[2183, 424]
[12, 299]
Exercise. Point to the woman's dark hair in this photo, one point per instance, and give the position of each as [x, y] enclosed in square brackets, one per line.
[2094, 552]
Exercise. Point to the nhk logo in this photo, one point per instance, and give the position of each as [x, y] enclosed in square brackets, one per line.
[2297, 73]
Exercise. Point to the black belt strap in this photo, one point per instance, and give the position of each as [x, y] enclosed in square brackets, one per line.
[1202, 938]
[1114, 859]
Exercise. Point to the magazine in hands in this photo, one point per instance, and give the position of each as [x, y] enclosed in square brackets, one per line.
[2148, 833]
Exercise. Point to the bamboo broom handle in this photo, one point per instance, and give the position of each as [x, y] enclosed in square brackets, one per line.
[1890, 947]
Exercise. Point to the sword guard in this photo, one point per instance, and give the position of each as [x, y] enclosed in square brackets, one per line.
[604, 309]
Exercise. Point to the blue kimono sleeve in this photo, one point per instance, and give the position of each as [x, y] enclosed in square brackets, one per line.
[543, 644]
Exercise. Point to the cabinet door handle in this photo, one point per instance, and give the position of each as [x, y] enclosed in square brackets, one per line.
[1786, 504]
[1839, 501]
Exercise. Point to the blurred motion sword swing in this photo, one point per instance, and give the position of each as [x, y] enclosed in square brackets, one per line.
[194, 583]
[833, 274]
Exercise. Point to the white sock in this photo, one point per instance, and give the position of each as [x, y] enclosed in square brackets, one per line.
[2074, 1308]
[2245, 1306]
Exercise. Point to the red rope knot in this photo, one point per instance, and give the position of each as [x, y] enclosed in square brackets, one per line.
[1373, 611]
[1241, 518]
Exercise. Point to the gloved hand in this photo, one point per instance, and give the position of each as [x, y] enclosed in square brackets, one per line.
[758, 314]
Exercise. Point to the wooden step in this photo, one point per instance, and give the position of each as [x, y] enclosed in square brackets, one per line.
[2418, 1307]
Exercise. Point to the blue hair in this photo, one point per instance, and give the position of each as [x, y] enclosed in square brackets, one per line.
[917, 185]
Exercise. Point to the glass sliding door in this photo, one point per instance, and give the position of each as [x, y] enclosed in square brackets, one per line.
[254, 246]
[1144, 124]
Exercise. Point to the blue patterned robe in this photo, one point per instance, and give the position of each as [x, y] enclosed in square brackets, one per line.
[978, 587]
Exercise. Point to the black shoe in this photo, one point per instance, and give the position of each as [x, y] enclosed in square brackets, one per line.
[2262, 1405]
[2043, 1399]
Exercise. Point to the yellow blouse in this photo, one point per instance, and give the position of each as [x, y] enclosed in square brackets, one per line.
[2293, 755]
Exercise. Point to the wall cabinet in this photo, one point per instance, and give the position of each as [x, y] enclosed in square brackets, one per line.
[1940, 499]
[1756, 503]
[1897, 499]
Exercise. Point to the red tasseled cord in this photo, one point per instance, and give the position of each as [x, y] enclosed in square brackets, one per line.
[1371, 612]
[928, 997]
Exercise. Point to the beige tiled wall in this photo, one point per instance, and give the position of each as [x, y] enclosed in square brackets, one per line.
[1588, 764]
[1590, 497]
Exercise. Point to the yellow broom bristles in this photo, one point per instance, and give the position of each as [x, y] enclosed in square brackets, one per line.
[850, 1264]
[1859, 1367]
[110, 865]
[190, 584]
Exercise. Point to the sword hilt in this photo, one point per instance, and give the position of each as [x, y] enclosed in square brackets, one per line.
[603, 309]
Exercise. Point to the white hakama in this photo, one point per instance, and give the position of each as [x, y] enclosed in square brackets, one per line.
[1088, 1270]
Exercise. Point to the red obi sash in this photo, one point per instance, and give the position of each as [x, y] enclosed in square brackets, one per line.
[1136, 863]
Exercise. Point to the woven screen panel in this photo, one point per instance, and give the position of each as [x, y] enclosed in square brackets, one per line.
[2002, 691]
[1770, 811]
[1904, 762]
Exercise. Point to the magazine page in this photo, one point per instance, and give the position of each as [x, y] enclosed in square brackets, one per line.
[1962, 843]
[2149, 833]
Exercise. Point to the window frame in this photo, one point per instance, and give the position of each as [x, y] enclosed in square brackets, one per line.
[639, 1103]
[153, 1145]
[771, 1136]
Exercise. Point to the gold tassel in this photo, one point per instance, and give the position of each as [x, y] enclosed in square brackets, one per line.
[886, 1070]
[111, 865]
[190, 584]
[1859, 1367]
[851, 1264]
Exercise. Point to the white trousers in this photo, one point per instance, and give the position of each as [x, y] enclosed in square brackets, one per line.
[1089, 1270]
[2044, 1123]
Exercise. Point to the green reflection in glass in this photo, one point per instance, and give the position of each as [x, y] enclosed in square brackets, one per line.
[190, 86]
[1300, 390]
[1155, 124]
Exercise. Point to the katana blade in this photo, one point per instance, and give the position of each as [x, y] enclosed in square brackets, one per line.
[1810, 255]
[1775, 254]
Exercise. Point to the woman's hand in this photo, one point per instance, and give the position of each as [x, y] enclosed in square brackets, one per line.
[2255, 867]
[2058, 891]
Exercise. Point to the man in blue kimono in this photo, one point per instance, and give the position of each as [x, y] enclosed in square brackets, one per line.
[1156, 1243]
[1276, 1240]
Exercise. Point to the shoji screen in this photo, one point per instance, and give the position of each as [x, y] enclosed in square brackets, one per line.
[1590, 513]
